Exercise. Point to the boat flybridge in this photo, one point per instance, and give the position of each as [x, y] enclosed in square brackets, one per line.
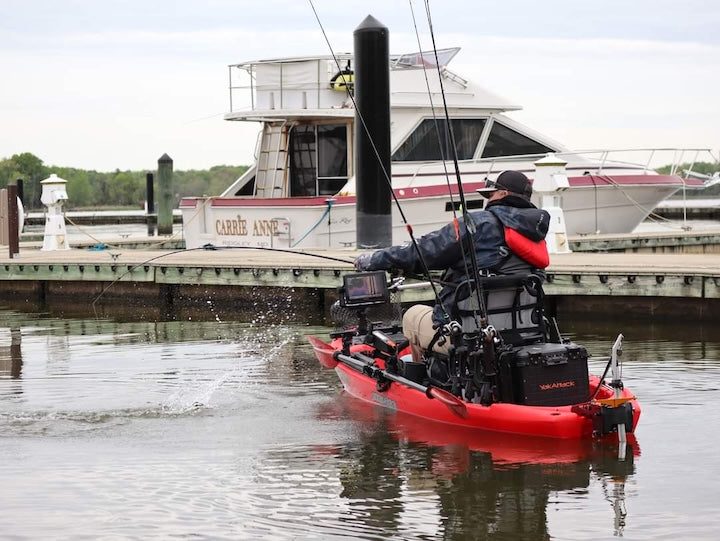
[301, 190]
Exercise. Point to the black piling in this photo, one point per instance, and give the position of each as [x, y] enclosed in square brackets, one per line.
[372, 134]
[13, 220]
[165, 202]
[150, 199]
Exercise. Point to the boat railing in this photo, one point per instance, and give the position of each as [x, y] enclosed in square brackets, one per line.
[297, 83]
[319, 82]
[679, 160]
[650, 158]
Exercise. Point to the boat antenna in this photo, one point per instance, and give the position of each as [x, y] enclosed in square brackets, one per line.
[467, 219]
[386, 175]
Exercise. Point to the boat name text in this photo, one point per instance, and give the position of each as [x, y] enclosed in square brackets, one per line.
[240, 227]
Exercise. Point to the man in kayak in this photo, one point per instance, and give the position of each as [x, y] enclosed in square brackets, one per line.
[508, 238]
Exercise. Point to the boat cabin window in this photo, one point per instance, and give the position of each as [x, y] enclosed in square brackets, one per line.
[430, 141]
[318, 159]
[504, 141]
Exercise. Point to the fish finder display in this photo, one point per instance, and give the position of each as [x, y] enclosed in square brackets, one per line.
[365, 289]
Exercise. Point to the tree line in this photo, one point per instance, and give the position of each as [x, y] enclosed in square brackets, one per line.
[126, 189]
[117, 189]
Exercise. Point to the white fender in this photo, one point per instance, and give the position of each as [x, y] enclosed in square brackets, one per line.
[21, 216]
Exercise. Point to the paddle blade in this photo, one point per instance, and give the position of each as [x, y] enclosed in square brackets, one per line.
[455, 405]
[323, 351]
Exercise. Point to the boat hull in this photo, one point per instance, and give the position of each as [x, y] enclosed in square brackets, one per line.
[321, 222]
[553, 422]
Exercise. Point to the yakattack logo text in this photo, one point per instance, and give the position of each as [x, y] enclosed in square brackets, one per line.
[239, 227]
[384, 401]
[557, 385]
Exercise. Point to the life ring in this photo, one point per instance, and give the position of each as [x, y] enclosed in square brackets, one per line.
[343, 81]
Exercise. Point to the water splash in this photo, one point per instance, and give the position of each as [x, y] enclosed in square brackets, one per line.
[185, 400]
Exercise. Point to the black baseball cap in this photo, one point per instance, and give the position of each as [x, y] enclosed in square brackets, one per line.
[512, 181]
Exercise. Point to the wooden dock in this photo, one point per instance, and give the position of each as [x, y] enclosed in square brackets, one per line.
[673, 241]
[301, 285]
[690, 208]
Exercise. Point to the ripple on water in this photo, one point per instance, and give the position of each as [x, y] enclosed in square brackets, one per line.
[211, 431]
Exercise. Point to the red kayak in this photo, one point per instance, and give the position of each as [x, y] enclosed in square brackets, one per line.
[506, 450]
[513, 374]
[580, 420]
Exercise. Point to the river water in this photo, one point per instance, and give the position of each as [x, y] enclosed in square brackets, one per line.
[230, 430]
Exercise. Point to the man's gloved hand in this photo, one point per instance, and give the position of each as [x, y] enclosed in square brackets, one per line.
[362, 262]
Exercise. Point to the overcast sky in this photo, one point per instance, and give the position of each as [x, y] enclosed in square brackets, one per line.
[114, 84]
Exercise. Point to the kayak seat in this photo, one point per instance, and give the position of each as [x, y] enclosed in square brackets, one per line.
[514, 305]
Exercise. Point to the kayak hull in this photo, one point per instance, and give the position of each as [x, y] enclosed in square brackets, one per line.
[547, 421]
[564, 422]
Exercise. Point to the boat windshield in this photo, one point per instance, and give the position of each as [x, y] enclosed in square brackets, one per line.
[504, 141]
[430, 141]
[424, 59]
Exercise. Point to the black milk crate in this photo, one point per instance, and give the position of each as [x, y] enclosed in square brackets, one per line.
[544, 375]
[416, 372]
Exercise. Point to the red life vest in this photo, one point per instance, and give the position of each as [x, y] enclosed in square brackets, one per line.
[535, 253]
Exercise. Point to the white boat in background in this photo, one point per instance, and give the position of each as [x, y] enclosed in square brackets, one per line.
[301, 190]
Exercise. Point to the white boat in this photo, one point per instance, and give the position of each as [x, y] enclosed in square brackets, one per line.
[301, 190]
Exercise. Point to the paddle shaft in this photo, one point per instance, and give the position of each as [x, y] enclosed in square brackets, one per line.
[361, 364]
[366, 365]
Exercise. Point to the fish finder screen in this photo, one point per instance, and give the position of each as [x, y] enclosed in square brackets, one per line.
[365, 288]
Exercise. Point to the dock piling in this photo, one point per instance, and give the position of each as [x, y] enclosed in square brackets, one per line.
[150, 200]
[13, 221]
[372, 135]
[165, 203]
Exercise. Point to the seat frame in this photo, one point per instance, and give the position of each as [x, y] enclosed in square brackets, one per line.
[514, 305]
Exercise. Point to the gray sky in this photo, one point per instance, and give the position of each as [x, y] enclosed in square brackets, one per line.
[115, 84]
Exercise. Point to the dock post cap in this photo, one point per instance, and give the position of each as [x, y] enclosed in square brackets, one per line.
[53, 179]
[550, 159]
[370, 23]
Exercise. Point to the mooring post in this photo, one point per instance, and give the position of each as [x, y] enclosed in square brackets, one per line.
[13, 222]
[53, 196]
[165, 203]
[20, 191]
[150, 200]
[372, 135]
[16, 361]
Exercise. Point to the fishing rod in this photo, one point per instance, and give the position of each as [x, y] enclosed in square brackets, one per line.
[467, 220]
[269, 249]
[211, 247]
[386, 175]
[442, 147]
[432, 108]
